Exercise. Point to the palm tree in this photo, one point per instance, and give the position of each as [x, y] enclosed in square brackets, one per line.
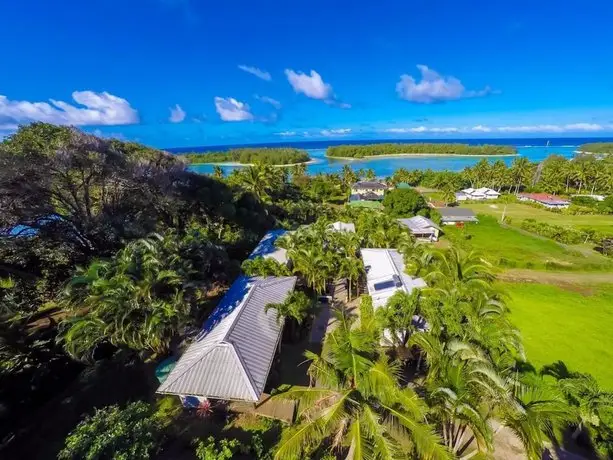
[257, 180]
[349, 177]
[313, 265]
[350, 267]
[294, 309]
[218, 172]
[357, 407]
[588, 400]
[448, 195]
[520, 170]
[461, 269]
[370, 174]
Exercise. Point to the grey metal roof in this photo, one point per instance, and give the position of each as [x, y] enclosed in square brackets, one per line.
[369, 185]
[418, 223]
[232, 355]
[266, 248]
[343, 227]
[457, 214]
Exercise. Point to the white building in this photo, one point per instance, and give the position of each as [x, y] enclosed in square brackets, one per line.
[385, 275]
[482, 193]
[367, 190]
[343, 227]
[545, 199]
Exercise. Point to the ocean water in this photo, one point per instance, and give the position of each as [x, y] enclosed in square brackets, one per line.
[533, 149]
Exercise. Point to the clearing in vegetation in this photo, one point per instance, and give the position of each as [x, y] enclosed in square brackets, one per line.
[562, 324]
[518, 212]
[511, 248]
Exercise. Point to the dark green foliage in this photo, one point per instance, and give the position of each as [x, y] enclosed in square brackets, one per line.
[404, 203]
[262, 156]
[131, 433]
[211, 449]
[360, 151]
[261, 266]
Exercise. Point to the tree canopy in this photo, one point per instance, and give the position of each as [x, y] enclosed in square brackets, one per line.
[262, 156]
[361, 151]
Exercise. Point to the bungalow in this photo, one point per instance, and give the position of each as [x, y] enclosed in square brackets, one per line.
[233, 353]
[385, 276]
[545, 199]
[482, 193]
[422, 228]
[266, 247]
[367, 190]
[455, 216]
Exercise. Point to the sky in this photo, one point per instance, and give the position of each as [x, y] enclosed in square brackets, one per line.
[179, 73]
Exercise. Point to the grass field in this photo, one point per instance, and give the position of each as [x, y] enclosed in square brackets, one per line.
[562, 324]
[510, 248]
[518, 212]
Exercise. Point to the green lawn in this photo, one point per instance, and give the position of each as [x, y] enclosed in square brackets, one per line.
[510, 248]
[558, 324]
[518, 212]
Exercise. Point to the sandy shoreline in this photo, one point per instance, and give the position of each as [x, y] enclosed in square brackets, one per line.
[230, 163]
[369, 157]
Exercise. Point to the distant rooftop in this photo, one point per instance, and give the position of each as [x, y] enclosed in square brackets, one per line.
[418, 223]
[266, 247]
[369, 185]
[545, 198]
[343, 227]
[455, 214]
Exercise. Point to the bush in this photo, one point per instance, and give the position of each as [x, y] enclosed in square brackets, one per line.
[133, 432]
[565, 235]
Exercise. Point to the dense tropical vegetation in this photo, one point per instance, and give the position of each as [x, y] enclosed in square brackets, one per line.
[361, 151]
[113, 253]
[246, 156]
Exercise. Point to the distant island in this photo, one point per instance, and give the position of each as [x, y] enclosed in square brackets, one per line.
[361, 151]
[250, 156]
[597, 147]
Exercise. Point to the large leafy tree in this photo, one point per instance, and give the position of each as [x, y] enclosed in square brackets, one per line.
[404, 202]
[357, 406]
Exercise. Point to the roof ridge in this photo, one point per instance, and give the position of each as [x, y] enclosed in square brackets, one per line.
[245, 371]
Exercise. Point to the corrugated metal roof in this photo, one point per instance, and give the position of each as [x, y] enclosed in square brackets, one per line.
[266, 247]
[369, 185]
[418, 223]
[232, 355]
[381, 266]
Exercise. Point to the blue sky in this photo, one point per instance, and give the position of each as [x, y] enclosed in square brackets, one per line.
[176, 73]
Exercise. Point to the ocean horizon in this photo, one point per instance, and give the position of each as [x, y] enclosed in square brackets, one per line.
[535, 149]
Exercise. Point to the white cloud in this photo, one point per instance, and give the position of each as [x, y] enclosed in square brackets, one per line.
[584, 127]
[177, 114]
[434, 87]
[311, 85]
[335, 132]
[229, 109]
[255, 71]
[91, 109]
[525, 129]
[286, 133]
[269, 100]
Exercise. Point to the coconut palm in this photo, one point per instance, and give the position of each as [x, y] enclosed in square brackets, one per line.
[520, 171]
[466, 270]
[357, 407]
[218, 172]
[397, 317]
